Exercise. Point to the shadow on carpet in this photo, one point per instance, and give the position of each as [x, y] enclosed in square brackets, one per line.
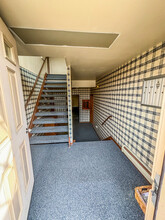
[89, 181]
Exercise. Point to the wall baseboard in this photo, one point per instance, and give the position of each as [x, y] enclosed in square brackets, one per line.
[141, 168]
[111, 138]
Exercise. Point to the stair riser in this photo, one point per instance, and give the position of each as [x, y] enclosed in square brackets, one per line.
[55, 86]
[57, 95]
[55, 82]
[48, 142]
[55, 91]
[49, 139]
[50, 121]
[53, 129]
[49, 132]
[56, 105]
[48, 115]
[61, 102]
[55, 77]
[51, 108]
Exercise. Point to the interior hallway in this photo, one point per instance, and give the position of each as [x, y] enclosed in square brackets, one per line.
[90, 181]
[83, 131]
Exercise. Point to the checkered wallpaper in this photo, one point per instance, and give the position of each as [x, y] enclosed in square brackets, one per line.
[119, 94]
[84, 94]
[28, 78]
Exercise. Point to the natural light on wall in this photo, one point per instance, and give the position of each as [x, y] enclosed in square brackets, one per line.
[6, 159]
[9, 194]
[10, 205]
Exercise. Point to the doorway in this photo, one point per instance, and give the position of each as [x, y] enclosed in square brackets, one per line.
[82, 110]
[75, 107]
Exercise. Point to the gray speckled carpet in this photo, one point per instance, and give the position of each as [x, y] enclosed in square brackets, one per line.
[90, 181]
[84, 132]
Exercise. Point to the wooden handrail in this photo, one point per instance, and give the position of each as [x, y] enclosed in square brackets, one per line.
[106, 119]
[48, 65]
[37, 103]
[30, 95]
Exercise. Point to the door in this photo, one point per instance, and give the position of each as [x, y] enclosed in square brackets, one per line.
[156, 200]
[16, 175]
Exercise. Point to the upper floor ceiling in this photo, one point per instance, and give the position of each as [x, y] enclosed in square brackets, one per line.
[134, 26]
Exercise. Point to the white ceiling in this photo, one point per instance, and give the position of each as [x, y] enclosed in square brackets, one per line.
[140, 24]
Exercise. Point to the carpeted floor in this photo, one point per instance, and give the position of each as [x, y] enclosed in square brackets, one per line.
[90, 181]
[84, 132]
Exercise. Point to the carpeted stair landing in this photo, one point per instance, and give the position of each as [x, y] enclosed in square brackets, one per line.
[89, 181]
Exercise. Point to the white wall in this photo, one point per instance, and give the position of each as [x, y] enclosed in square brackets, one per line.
[58, 66]
[33, 64]
[83, 83]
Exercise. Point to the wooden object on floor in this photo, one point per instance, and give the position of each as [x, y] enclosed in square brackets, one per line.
[139, 191]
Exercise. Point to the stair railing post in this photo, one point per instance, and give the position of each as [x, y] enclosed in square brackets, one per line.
[69, 101]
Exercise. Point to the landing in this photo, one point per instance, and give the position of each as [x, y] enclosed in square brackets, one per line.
[90, 181]
[84, 132]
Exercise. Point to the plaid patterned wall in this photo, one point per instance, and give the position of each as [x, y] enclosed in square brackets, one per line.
[28, 78]
[84, 94]
[119, 94]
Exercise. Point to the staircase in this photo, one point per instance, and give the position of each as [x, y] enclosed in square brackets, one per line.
[50, 124]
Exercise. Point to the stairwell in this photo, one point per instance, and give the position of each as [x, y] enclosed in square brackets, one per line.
[50, 120]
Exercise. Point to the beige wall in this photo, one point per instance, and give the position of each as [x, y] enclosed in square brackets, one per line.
[83, 83]
[58, 66]
[33, 64]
